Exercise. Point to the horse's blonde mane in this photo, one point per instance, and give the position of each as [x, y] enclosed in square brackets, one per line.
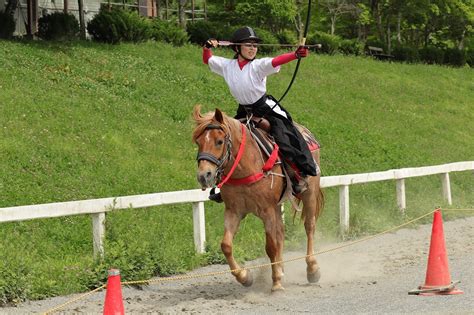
[204, 120]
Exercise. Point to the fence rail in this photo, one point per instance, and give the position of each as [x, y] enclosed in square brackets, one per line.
[98, 207]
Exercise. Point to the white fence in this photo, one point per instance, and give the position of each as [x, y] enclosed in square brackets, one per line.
[98, 207]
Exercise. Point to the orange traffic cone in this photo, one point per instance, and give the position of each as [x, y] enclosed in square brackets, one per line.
[438, 280]
[113, 296]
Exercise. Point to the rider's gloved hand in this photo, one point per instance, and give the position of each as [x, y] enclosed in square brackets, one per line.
[301, 52]
[211, 43]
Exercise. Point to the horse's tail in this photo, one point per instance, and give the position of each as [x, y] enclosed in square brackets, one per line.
[319, 203]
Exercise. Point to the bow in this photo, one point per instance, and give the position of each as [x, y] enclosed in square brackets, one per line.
[302, 43]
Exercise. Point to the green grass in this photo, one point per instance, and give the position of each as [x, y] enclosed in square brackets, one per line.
[84, 120]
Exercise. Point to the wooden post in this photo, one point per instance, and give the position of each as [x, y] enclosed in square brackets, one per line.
[344, 208]
[29, 17]
[192, 9]
[205, 10]
[82, 24]
[98, 231]
[65, 6]
[446, 188]
[166, 10]
[401, 199]
[182, 13]
[199, 227]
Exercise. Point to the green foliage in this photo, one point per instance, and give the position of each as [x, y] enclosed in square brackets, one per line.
[116, 25]
[168, 32]
[330, 43]
[273, 15]
[287, 37]
[455, 57]
[200, 31]
[89, 120]
[267, 38]
[406, 54]
[432, 55]
[351, 47]
[58, 26]
[7, 25]
[470, 58]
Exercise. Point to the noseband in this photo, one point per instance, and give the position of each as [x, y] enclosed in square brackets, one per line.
[219, 162]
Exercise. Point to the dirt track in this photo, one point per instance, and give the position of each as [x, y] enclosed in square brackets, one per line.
[369, 277]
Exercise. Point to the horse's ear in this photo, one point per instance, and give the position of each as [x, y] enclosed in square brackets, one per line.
[218, 116]
[197, 112]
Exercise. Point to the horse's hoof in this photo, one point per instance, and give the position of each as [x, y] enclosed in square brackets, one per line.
[313, 277]
[249, 280]
[277, 288]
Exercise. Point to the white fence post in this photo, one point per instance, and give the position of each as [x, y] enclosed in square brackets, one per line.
[401, 198]
[446, 188]
[344, 208]
[199, 226]
[98, 231]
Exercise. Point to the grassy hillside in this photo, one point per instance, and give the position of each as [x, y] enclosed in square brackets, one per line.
[83, 120]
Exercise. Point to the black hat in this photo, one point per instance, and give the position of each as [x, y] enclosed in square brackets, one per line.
[245, 34]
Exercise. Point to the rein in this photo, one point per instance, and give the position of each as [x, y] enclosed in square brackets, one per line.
[220, 162]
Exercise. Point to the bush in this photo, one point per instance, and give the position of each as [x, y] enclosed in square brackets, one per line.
[200, 31]
[287, 37]
[267, 38]
[470, 58]
[116, 25]
[455, 57]
[330, 43]
[168, 32]
[431, 55]
[351, 47]
[7, 25]
[406, 53]
[58, 26]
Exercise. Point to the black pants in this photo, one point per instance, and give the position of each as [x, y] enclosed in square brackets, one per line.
[292, 144]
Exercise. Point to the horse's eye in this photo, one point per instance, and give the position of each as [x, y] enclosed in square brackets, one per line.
[220, 142]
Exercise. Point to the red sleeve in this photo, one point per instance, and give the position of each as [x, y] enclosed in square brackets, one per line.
[206, 54]
[282, 59]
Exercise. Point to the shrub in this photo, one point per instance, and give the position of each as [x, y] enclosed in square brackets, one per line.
[58, 26]
[7, 25]
[431, 55]
[351, 47]
[200, 31]
[470, 58]
[455, 57]
[287, 37]
[267, 38]
[115, 25]
[406, 53]
[329, 43]
[168, 32]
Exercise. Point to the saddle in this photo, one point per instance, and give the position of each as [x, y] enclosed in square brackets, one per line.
[260, 130]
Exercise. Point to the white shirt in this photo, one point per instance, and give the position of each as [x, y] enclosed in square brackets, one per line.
[248, 84]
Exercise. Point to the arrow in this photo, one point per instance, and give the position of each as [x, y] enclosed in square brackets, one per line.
[228, 43]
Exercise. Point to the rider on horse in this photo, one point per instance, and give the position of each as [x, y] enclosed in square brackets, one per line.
[246, 79]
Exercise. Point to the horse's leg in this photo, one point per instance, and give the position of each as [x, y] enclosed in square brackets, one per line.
[274, 233]
[310, 204]
[231, 225]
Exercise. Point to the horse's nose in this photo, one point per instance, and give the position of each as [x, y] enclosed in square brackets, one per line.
[205, 178]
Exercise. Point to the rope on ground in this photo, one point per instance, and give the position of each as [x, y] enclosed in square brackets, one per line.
[57, 308]
[211, 274]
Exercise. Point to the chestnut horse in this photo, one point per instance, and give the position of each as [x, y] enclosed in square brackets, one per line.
[227, 149]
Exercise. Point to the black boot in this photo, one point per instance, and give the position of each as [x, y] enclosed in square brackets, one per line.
[301, 185]
[215, 197]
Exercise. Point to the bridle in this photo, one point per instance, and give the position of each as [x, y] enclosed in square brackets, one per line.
[226, 156]
[220, 162]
